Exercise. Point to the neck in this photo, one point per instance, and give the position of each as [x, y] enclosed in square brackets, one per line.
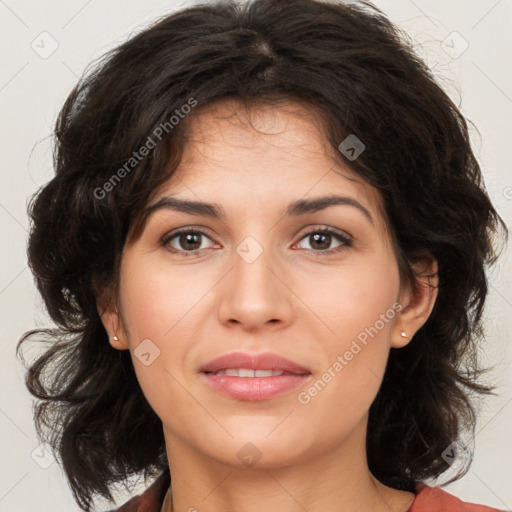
[335, 479]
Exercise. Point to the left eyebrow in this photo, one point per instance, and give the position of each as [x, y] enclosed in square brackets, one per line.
[295, 209]
[305, 206]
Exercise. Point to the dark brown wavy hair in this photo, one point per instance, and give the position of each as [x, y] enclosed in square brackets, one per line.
[357, 74]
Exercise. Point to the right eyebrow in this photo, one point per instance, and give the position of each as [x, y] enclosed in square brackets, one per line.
[186, 206]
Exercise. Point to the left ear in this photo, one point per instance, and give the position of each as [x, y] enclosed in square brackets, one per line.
[417, 301]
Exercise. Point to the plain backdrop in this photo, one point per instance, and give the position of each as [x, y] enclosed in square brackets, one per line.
[46, 46]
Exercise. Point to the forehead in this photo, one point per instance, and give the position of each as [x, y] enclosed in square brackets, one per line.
[281, 144]
[230, 127]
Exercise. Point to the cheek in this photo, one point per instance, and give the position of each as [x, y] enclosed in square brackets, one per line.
[155, 306]
[358, 305]
[355, 301]
[156, 301]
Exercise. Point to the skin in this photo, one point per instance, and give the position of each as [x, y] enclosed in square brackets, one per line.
[291, 300]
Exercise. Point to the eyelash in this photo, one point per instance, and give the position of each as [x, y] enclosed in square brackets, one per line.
[346, 241]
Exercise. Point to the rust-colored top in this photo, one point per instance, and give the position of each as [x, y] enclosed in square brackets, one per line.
[428, 499]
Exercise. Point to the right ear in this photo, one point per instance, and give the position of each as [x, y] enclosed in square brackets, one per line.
[110, 318]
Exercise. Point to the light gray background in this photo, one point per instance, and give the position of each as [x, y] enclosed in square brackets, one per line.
[32, 90]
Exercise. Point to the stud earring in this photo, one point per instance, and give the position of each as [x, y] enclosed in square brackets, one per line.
[116, 338]
[403, 334]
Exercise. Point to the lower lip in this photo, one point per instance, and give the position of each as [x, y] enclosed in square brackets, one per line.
[254, 388]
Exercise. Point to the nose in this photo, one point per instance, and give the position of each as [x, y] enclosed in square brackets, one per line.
[257, 292]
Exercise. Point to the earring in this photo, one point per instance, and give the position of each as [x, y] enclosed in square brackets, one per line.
[116, 338]
[403, 334]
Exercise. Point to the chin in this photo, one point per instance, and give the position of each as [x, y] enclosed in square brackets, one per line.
[258, 450]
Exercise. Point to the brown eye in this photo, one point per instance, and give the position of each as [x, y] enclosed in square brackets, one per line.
[185, 241]
[189, 241]
[320, 241]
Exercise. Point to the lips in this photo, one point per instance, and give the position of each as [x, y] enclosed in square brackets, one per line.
[253, 377]
[264, 361]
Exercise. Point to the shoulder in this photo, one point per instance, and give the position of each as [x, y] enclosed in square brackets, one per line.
[435, 499]
[151, 499]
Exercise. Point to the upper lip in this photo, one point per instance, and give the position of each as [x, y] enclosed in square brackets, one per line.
[263, 361]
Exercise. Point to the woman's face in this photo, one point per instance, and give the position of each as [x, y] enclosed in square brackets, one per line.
[261, 279]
